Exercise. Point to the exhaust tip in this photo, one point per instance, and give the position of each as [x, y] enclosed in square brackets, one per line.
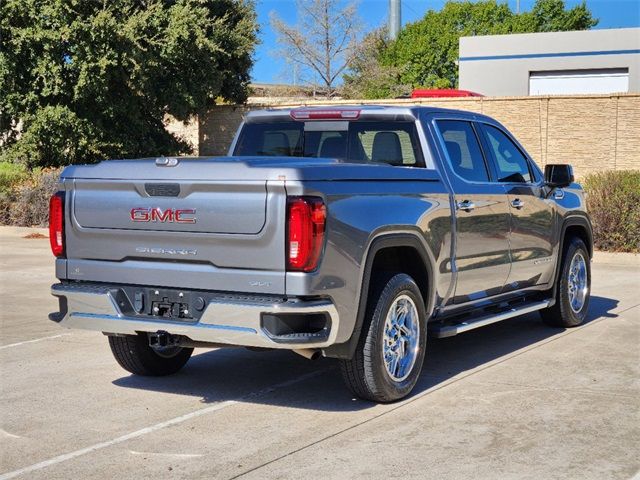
[309, 353]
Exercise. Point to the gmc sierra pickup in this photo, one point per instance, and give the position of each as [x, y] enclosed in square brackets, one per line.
[353, 232]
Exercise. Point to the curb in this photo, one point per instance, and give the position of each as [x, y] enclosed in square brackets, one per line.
[22, 231]
[616, 258]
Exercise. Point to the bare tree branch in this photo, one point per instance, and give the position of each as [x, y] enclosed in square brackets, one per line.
[323, 40]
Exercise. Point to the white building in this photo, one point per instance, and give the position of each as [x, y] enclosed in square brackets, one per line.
[554, 63]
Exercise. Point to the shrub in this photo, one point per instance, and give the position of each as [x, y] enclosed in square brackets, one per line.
[80, 81]
[612, 201]
[26, 204]
[10, 175]
[54, 136]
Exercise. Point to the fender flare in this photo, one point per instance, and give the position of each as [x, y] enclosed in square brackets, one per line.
[403, 239]
[571, 221]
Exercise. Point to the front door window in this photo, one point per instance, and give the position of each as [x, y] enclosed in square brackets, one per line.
[511, 163]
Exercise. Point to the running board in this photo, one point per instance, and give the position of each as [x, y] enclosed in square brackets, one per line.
[442, 331]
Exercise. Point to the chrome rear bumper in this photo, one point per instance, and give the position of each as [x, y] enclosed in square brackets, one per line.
[226, 319]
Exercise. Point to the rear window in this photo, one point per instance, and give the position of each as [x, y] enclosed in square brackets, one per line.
[394, 143]
[270, 140]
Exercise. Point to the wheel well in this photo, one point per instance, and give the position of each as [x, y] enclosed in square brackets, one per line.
[392, 260]
[389, 255]
[580, 232]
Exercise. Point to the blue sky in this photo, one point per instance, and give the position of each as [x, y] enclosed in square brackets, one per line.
[268, 69]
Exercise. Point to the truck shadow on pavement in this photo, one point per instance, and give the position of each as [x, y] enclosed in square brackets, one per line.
[282, 378]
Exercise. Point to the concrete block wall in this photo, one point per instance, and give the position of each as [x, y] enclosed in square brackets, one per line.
[218, 127]
[627, 133]
[594, 133]
[187, 131]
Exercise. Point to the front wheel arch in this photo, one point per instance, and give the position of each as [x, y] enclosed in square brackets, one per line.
[573, 226]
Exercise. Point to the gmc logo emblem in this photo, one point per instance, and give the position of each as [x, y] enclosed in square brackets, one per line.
[170, 215]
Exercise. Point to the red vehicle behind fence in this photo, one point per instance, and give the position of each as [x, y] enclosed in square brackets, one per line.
[443, 92]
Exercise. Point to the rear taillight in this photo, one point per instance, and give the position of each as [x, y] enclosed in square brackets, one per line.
[56, 224]
[306, 217]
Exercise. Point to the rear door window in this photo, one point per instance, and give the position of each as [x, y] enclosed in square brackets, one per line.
[463, 150]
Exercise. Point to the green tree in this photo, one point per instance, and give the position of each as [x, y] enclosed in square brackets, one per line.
[426, 52]
[368, 77]
[81, 81]
[552, 16]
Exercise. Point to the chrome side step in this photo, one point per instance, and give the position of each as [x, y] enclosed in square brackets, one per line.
[442, 331]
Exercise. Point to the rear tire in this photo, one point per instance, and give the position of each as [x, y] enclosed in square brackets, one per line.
[134, 354]
[573, 288]
[390, 351]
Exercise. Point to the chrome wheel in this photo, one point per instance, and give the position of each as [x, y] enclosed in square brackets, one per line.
[401, 338]
[578, 285]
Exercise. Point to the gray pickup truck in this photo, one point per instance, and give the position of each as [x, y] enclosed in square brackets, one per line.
[353, 232]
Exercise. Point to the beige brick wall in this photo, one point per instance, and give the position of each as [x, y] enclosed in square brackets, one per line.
[187, 131]
[218, 127]
[594, 133]
[627, 133]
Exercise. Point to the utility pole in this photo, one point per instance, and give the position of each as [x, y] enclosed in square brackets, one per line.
[394, 19]
[518, 6]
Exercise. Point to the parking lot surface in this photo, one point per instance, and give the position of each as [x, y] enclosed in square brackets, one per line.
[515, 399]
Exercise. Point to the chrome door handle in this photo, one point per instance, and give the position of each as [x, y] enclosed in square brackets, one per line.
[517, 203]
[466, 205]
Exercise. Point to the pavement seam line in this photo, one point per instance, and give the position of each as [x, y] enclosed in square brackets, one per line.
[34, 340]
[627, 309]
[583, 391]
[158, 426]
[422, 395]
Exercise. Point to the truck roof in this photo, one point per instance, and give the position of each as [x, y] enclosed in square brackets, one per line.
[353, 112]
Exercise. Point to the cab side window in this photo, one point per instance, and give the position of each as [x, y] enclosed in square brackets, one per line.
[511, 164]
[463, 149]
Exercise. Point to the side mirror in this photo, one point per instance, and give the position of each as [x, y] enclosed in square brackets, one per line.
[558, 176]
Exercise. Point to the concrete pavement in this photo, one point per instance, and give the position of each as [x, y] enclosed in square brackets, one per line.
[512, 400]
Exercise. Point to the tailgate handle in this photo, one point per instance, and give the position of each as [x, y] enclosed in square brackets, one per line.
[166, 162]
[162, 189]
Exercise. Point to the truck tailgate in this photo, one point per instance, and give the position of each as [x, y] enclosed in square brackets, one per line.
[211, 207]
[167, 229]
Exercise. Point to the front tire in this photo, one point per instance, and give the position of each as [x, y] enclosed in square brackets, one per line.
[134, 354]
[391, 348]
[573, 288]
